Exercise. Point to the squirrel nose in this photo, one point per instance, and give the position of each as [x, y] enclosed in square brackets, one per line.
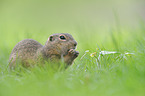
[75, 44]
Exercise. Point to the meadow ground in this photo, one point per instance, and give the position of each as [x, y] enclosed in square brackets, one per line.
[119, 74]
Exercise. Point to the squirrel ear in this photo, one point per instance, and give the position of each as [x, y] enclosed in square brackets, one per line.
[50, 38]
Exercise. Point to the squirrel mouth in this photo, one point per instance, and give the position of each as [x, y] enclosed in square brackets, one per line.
[68, 51]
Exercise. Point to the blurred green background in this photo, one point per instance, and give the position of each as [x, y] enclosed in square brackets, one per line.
[113, 25]
[82, 18]
[90, 21]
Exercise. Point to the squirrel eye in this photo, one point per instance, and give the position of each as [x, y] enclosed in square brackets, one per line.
[62, 37]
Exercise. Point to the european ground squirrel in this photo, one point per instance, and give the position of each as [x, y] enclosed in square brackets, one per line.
[60, 46]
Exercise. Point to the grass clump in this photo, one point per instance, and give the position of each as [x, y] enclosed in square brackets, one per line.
[94, 72]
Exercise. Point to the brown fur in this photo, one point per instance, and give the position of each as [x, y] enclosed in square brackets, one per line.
[27, 52]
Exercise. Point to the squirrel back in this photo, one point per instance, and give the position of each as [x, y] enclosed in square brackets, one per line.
[58, 46]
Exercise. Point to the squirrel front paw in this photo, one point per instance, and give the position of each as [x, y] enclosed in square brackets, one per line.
[73, 53]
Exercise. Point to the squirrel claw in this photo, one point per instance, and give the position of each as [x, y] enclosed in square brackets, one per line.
[73, 52]
[76, 53]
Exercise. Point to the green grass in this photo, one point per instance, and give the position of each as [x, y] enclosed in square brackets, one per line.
[117, 75]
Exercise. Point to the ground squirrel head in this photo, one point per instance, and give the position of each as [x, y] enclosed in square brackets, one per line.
[61, 42]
